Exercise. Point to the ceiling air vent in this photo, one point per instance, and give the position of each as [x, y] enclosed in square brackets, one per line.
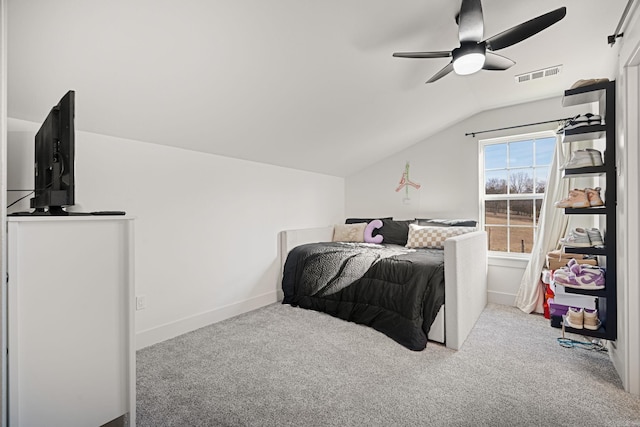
[538, 74]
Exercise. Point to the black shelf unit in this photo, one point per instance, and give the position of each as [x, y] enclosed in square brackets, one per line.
[606, 299]
[587, 251]
[600, 293]
[600, 333]
[600, 210]
[584, 132]
[589, 170]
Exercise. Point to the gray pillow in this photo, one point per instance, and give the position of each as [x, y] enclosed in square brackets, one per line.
[359, 220]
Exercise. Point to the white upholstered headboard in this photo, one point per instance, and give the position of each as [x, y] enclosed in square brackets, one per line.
[289, 239]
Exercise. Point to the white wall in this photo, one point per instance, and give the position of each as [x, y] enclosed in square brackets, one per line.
[3, 201]
[207, 226]
[446, 165]
[625, 352]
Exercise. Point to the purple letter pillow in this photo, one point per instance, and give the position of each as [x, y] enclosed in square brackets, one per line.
[376, 223]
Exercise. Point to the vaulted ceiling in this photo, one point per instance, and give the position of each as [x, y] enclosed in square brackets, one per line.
[306, 84]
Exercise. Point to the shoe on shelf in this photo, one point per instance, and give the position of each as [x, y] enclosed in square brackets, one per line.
[588, 118]
[579, 159]
[581, 120]
[593, 195]
[579, 276]
[595, 237]
[591, 320]
[576, 238]
[596, 156]
[576, 199]
[584, 158]
[587, 82]
[574, 318]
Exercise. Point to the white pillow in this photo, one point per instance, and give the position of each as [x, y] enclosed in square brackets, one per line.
[349, 232]
[432, 237]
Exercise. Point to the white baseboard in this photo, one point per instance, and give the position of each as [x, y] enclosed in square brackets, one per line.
[191, 323]
[501, 298]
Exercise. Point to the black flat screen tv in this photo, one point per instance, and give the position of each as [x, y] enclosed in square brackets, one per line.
[54, 160]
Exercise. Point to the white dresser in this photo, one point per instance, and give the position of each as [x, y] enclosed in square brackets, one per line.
[70, 321]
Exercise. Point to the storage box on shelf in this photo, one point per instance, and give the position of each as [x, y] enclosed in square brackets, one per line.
[604, 300]
[558, 259]
[561, 296]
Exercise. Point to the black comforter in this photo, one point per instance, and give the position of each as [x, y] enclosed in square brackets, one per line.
[395, 290]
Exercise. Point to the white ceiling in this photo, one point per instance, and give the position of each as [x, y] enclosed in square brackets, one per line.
[303, 84]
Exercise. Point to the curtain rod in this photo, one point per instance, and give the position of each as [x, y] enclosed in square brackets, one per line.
[612, 38]
[473, 134]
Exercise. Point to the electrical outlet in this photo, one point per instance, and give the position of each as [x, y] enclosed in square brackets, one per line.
[141, 302]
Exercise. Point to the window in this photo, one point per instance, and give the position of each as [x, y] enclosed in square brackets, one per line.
[514, 172]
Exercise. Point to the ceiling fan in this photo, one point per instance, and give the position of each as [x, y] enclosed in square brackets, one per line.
[474, 54]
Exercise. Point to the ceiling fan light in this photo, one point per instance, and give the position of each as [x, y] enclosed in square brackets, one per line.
[468, 58]
[468, 64]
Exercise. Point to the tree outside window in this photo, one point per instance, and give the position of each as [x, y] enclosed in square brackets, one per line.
[514, 172]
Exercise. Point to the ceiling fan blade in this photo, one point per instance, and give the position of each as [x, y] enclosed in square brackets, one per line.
[493, 61]
[525, 30]
[437, 54]
[440, 74]
[470, 21]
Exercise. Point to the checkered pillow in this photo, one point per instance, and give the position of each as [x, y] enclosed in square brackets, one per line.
[432, 237]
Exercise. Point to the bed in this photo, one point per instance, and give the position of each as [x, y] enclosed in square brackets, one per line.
[442, 292]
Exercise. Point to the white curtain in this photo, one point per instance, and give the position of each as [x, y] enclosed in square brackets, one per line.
[552, 226]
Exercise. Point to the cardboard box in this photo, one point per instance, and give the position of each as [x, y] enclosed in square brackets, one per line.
[557, 259]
